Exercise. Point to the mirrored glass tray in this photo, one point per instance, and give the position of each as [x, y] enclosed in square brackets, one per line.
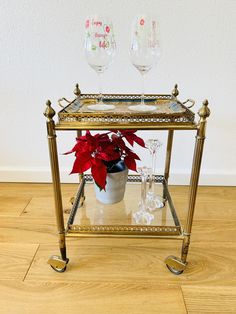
[82, 111]
[89, 216]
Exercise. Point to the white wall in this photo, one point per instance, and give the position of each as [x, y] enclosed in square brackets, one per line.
[41, 57]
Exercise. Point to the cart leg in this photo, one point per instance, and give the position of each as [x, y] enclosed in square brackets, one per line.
[78, 133]
[58, 263]
[168, 158]
[175, 264]
[175, 93]
[81, 175]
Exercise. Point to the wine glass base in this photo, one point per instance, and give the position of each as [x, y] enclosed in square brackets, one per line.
[100, 107]
[154, 202]
[142, 217]
[142, 108]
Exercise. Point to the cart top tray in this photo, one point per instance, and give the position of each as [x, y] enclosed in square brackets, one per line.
[85, 112]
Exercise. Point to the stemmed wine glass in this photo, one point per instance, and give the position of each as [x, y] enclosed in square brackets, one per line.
[144, 51]
[153, 200]
[100, 49]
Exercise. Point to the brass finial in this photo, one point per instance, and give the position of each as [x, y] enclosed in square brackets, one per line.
[204, 111]
[77, 90]
[49, 111]
[175, 91]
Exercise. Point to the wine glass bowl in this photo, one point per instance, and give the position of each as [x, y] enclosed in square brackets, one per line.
[144, 50]
[100, 47]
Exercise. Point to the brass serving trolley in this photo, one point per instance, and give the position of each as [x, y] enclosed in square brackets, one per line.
[170, 115]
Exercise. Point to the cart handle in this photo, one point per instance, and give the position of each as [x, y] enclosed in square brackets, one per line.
[191, 101]
[61, 100]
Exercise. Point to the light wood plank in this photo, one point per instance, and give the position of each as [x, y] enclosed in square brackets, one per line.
[224, 209]
[15, 260]
[138, 261]
[208, 193]
[44, 230]
[104, 260]
[210, 299]
[12, 206]
[212, 202]
[44, 207]
[214, 208]
[88, 298]
[34, 189]
[28, 230]
[213, 230]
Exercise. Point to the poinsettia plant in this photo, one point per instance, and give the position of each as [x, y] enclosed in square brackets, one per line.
[102, 151]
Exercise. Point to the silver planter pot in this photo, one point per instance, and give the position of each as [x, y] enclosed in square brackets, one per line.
[115, 188]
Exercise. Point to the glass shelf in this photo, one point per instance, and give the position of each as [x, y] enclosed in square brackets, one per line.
[89, 216]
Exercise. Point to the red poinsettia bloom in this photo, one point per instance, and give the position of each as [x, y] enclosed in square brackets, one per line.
[142, 22]
[107, 29]
[87, 24]
[97, 151]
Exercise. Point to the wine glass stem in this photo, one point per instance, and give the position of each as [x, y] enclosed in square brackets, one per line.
[154, 157]
[153, 169]
[143, 191]
[143, 88]
[100, 88]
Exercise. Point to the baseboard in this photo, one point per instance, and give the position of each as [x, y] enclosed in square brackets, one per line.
[44, 175]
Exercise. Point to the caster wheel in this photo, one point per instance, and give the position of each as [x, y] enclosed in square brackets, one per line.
[59, 270]
[174, 271]
[57, 263]
[175, 265]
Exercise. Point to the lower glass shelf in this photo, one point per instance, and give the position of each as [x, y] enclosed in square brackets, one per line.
[90, 217]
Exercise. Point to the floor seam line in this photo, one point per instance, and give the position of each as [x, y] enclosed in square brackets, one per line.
[185, 305]
[31, 263]
[25, 207]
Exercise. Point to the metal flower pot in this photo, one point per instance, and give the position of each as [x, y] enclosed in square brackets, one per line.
[115, 186]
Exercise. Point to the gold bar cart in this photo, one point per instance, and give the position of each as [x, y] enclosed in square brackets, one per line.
[171, 115]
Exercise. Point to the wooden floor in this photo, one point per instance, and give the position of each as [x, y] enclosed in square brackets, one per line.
[107, 276]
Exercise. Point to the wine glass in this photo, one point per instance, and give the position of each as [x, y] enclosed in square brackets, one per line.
[100, 49]
[153, 201]
[144, 51]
